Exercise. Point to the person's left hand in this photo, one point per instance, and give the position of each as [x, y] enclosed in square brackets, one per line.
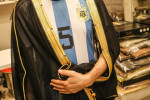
[75, 82]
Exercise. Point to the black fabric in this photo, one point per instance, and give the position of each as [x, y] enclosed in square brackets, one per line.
[132, 81]
[41, 64]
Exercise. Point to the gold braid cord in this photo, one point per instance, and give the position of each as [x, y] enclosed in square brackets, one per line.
[19, 52]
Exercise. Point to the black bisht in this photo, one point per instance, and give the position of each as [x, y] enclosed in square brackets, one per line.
[32, 76]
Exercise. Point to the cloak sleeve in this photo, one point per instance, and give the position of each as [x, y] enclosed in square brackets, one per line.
[33, 61]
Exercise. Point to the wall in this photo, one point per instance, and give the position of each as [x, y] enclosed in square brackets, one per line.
[114, 5]
[146, 3]
[137, 3]
[5, 25]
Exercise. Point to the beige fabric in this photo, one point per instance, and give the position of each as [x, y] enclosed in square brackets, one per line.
[128, 43]
[141, 53]
[142, 61]
[135, 74]
[123, 57]
[135, 47]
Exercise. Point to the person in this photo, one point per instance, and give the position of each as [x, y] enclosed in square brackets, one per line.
[63, 50]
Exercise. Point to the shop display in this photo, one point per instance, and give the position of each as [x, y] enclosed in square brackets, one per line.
[131, 30]
[142, 15]
[133, 64]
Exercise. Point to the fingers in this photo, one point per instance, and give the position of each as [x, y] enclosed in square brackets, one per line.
[65, 88]
[65, 91]
[59, 82]
[60, 90]
[71, 85]
[66, 72]
[58, 86]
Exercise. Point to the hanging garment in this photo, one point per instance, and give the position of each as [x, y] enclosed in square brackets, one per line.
[37, 55]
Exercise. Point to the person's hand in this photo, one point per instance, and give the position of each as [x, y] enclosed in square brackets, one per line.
[75, 82]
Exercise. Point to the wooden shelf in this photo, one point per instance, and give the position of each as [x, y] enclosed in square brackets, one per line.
[8, 2]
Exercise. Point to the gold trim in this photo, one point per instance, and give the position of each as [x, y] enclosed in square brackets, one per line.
[50, 32]
[101, 36]
[90, 95]
[112, 96]
[68, 67]
[19, 52]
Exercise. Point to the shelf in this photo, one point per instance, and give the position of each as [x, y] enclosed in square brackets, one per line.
[7, 2]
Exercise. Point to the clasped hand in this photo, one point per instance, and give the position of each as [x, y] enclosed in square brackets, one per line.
[75, 82]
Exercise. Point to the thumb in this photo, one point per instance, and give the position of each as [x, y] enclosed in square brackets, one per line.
[66, 72]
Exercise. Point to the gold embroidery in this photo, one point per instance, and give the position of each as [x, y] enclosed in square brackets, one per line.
[91, 95]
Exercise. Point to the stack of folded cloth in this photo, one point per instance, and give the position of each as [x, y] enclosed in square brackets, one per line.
[133, 65]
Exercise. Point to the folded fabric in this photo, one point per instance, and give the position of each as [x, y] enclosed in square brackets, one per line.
[128, 43]
[123, 57]
[133, 87]
[135, 47]
[126, 66]
[142, 61]
[132, 63]
[122, 82]
[141, 53]
[134, 74]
